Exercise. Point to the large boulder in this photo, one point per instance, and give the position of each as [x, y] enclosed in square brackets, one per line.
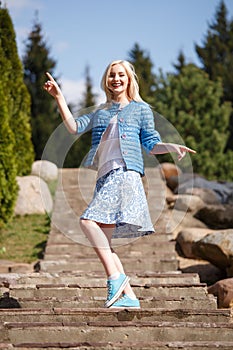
[223, 290]
[48, 171]
[186, 239]
[222, 191]
[208, 196]
[177, 182]
[187, 202]
[177, 220]
[216, 216]
[217, 248]
[34, 196]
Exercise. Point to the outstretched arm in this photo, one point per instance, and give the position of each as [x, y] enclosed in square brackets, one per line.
[162, 148]
[53, 89]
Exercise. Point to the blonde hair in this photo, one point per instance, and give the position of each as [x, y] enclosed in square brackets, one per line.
[133, 88]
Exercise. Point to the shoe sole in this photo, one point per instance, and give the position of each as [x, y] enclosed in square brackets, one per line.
[126, 307]
[118, 293]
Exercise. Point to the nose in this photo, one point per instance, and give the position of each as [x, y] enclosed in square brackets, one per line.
[116, 77]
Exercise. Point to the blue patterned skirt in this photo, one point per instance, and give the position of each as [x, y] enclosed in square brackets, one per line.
[119, 198]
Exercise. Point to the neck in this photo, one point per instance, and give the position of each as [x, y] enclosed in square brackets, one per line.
[122, 98]
[122, 101]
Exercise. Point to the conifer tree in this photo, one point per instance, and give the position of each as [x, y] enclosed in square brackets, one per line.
[8, 163]
[181, 62]
[18, 98]
[216, 55]
[143, 67]
[37, 61]
[192, 103]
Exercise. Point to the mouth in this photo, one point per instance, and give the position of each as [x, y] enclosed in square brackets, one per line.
[116, 85]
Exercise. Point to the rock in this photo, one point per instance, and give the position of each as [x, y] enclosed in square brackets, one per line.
[7, 302]
[178, 220]
[169, 170]
[186, 239]
[208, 196]
[217, 248]
[175, 182]
[207, 272]
[223, 191]
[34, 196]
[216, 216]
[48, 171]
[223, 290]
[186, 202]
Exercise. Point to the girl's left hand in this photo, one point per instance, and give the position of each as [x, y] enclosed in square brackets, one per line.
[182, 150]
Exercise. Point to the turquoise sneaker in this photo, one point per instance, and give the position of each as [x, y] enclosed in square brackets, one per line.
[115, 288]
[126, 303]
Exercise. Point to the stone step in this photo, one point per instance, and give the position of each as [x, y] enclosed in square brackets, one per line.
[163, 265]
[76, 256]
[98, 302]
[144, 248]
[75, 290]
[99, 280]
[115, 331]
[155, 345]
[103, 314]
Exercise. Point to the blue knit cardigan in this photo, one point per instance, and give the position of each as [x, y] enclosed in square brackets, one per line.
[136, 128]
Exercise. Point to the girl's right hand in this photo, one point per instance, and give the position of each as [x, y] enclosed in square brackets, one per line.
[51, 86]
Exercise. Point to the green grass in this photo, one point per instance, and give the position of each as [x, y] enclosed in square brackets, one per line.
[24, 238]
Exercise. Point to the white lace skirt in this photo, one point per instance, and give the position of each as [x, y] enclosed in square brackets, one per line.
[119, 198]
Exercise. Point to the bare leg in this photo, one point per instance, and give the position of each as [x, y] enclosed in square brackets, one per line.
[100, 244]
[108, 230]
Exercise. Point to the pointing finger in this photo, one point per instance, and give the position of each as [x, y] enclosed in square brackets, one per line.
[50, 77]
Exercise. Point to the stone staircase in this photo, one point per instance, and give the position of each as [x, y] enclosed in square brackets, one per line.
[61, 306]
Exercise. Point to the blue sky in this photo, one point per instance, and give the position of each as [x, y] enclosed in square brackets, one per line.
[95, 32]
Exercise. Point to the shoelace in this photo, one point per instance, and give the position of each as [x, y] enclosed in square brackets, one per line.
[109, 285]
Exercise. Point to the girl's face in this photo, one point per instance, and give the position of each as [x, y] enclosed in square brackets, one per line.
[118, 81]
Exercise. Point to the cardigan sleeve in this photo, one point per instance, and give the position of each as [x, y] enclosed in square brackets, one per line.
[149, 137]
[84, 123]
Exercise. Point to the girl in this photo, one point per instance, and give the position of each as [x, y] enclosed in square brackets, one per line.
[119, 207]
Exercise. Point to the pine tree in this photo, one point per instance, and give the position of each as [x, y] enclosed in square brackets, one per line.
[18, 98]
[216, 55]
[181, 62]
[143, 67]
[192, 103]
[37, 61]
[81, 147]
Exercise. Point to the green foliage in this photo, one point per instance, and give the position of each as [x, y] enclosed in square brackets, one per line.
[193, 105]
[8, 167]
[18, 99]
[216, 56]
[44, 114]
